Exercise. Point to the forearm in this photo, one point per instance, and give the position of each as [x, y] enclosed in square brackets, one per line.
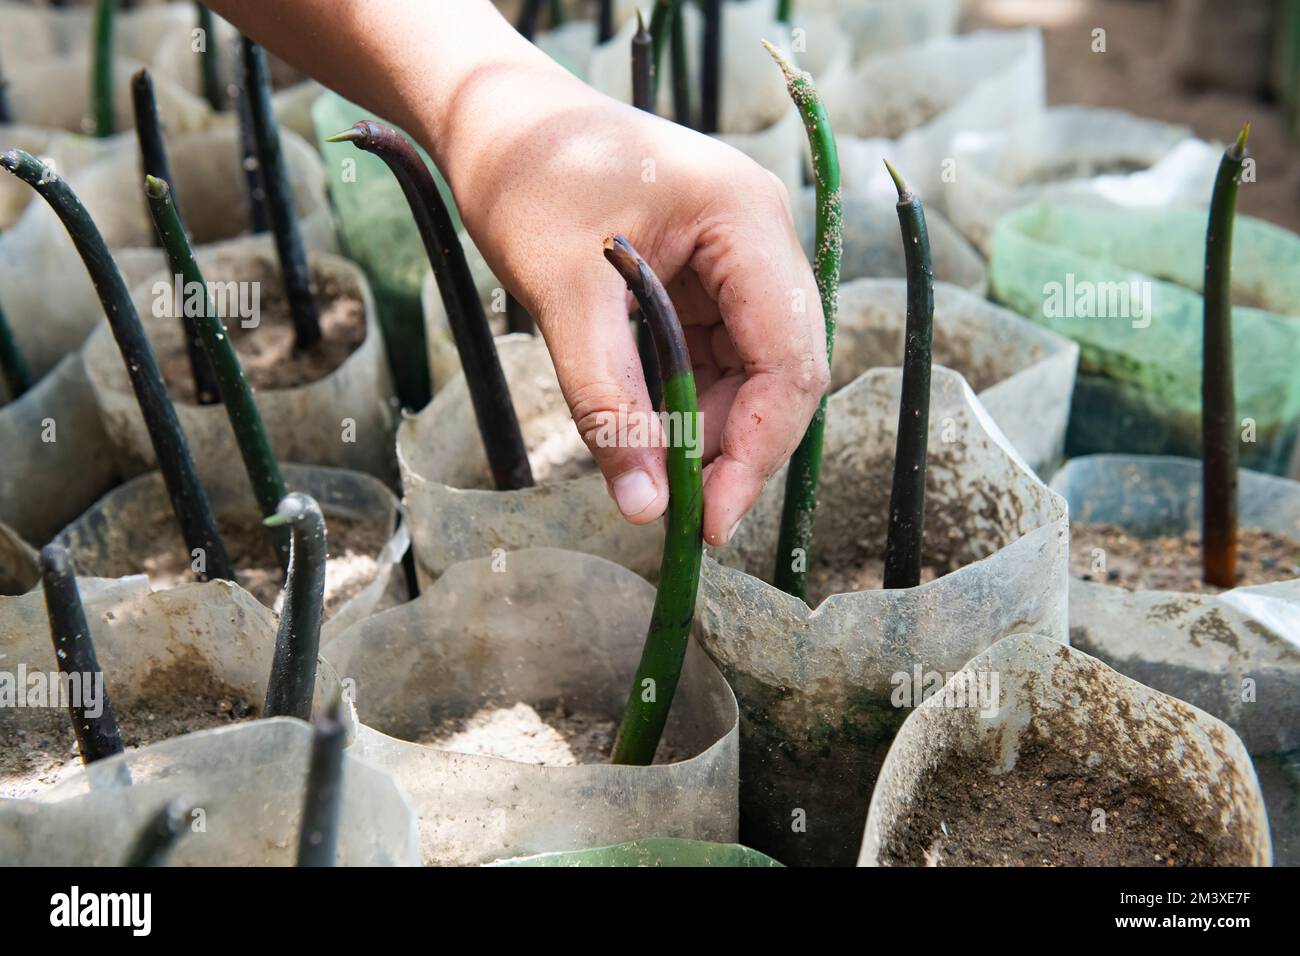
[430, 66]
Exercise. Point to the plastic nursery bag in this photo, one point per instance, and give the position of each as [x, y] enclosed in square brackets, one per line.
[1051, 696]
[1023, 373]
[1079, 156]
[755, 114]
[114, 536]
[174, 662]
[456, 513]
[58, 460]
[1235, 654]
[907, 105]
[876, 25]
[19, 567]
[544, 628]
[48, 297]
[818, 689]
[653, 851]
[30, 36]
[1125, 285]
[873, 247]
[343, 419]
[66, 152]
[245, 783]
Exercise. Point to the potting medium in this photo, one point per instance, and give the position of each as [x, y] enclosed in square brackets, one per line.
[819, 687]
[551, 630]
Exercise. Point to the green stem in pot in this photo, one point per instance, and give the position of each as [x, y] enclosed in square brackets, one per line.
[490, 395]
[1218, 397]
[680, 70]
[800, 507]
[153, 156]
[643, 98]
[245, 420]
[318, 834]
[297, 640]
[711, 67]
[159, 836]
[279, 198]
[189, 502]
[661, 18]
[259, 218]
[209, 60]
[660, 668]
[783, 10]
[101, 70]
[94, 725]
[605, 22]
[903, 538]
[13, 367]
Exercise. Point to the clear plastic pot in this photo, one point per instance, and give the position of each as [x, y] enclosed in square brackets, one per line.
[1099, 720]
[112, 538]
[655, 851]
[19, 569]
[539, 627]
[162, 654]
[1076, 155]
[48, 296]
[1023, 377]
[456, 513]
[1124, 284]
[897, 106]
[242, 790]
[816, 686]
[343, 419]
[873, 249]
[67, 152]
[1232, 654]
[30, 35]
[873, 26]
[58, 460]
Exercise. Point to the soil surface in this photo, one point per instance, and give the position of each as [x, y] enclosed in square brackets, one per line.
[354, 548]
[865, 574]
[1173, 563]
[553, 736]
[180, 699]
[266, 351]
[1041, 813]
[1138, 73]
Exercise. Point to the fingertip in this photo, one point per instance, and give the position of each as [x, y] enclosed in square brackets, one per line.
[729, 493]
[641, 494]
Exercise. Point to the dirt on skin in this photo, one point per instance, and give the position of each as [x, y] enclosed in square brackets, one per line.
[266, 351]
[1040, 813]
[354, 547]
[1173, 563]
[554, 736]
[179, 699]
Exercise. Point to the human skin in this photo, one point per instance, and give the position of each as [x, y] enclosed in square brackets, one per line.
[543, 168]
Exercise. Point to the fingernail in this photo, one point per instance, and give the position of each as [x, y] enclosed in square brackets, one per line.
[726, 538]
[634, 492]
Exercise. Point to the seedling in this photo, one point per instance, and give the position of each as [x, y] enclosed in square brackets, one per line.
[661, 18]
[279, 198]
[490, 395]
[101, 80]
[160, 835]
[1218, 397]
[711, 68]
[153, 156]
[245, 420]
[297, 640]
[903, 538]
[6, 115]
[660, 667]
[189, 502]
[259, 218]
[13, 367]
[643, 98]
[517, 317]
[318, 835]
[95, 726]
[605, 22]
[209, 62]
[795, 540]
[680, 68]
[783, 10]
[529, 15]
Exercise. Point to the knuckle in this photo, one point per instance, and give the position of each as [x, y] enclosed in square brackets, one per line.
[593, 407]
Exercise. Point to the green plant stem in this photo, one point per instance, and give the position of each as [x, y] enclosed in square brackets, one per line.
[214, 91]
[259, 218]
[711, 67]
[643, 98]
[783, 10]
[101, 83]
[498, 425]
[245, 420]
[189, 502]
[660, 667]
[517, 317]
[95, 726]
[556, 8]
[661, 18]
[297, 641]
[6, 114]
[605, 22]
[153, 154]
[13, 367]
[318, 833]
[279, 199]
[800, 507]
[903, 537]
[680, 70]
[159, 836]
[530, 13]
[1218, 397]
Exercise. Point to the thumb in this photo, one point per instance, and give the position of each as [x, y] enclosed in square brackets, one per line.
[594, 350]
